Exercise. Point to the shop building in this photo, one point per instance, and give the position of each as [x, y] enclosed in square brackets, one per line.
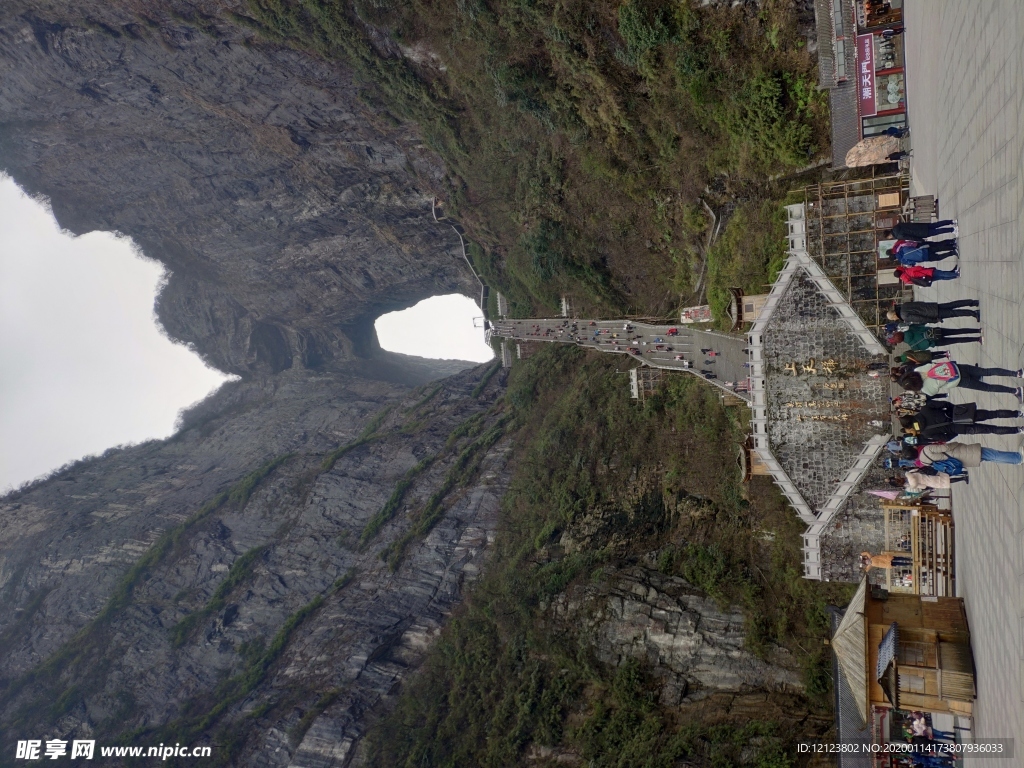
[898, 654]
[861, 64]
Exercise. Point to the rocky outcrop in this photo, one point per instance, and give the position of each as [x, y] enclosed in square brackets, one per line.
[225, 580]
[290, 212]
[694, 645]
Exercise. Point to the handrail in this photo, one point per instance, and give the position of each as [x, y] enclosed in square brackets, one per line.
[484, 290]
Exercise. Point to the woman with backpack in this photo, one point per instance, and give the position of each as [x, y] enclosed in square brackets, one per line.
[924, 276]
[919, 337]
[944, 421]
[945, 376]
[916, 357]
[910, 252]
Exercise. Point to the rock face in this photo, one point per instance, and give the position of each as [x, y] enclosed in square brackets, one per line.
[694, 646]
[220, 582]
[290, 213]
[261, 580]
[257, 597]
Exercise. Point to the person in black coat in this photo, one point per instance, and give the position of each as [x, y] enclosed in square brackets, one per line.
[923, 312]
[916, 230]
[944, 421]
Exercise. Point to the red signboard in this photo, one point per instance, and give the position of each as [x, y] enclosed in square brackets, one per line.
[866, 75]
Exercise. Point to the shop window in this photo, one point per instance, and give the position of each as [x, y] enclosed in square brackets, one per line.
[863, 288]
[889, 91]
[888, 53]
[862, 203]
[837, 244]
[872, 126]
[878, 13]
[910, 683]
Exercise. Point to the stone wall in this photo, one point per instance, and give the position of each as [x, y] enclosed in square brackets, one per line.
[820, 394]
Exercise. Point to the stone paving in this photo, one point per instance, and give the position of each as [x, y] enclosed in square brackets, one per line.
[965, 86]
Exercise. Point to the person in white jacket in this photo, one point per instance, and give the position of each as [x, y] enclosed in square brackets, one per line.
[968, 454]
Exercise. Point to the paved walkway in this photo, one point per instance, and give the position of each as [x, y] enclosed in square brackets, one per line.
[965, 88]
[672, 347]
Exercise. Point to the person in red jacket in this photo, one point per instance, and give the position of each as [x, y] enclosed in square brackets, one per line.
[924, 276]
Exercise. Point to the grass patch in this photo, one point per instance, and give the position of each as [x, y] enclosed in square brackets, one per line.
[239, 572]
[379, 520]
[460, 474]
[748, 254]
[368, 434]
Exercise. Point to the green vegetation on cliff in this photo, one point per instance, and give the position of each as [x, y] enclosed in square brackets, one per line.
[581, 136]
[505, 677]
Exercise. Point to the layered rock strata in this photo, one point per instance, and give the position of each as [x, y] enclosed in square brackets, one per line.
[263, 607]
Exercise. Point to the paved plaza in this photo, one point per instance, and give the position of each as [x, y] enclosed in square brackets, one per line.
[965, 86]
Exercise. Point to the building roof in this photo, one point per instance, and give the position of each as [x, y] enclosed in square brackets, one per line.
[843, 96]
[843, 104]
[848, 719]
[825, 29]
[850, 645]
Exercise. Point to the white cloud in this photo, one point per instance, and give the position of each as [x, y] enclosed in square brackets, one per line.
[83, 364]
[440, 328]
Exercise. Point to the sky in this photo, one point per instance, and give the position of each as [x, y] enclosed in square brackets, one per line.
[440, 327]
[83, 363]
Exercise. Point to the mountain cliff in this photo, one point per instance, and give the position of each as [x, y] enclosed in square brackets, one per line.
[290, 212]
[264, 581]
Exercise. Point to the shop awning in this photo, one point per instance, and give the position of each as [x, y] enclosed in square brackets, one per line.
[885, 671]
[849, 643]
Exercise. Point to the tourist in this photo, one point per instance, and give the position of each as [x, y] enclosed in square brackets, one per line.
[933, 312]
[914, 230]
[944, 377]
[968, 454]
[909, 252]
[924, 276]
[920, 337]
[943, 421]
[918, 482]
[916, 357]
[886, 560]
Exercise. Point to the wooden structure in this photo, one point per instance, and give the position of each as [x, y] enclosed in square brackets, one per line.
[922, 209]
[644, 382]
[925, 533]
[905, 652]
[743, 308]
[847, 228]
[750, 462]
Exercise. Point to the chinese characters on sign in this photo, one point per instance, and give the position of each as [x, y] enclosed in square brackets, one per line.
[815, 367]
[828, 367]
[700, 314]
[866, 75]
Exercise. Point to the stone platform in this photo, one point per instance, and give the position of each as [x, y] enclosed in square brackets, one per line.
[965, 88]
